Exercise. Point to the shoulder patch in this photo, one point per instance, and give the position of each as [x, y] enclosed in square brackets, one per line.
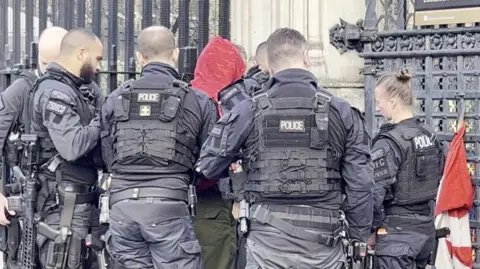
[380, 165]
[377, 154]
[56, 107]
[58, 95]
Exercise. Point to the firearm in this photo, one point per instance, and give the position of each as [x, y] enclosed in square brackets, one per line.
[238, 178]
[98, 245]
[25, 203]
[187, 60]
[439, 233]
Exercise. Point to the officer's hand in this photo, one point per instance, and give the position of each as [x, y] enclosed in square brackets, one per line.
[236, 210]
[3, 216]
[371, 241]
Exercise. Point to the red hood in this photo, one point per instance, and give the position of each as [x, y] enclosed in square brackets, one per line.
[219, 65]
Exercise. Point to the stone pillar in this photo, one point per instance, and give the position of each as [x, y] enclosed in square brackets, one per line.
[253, 20]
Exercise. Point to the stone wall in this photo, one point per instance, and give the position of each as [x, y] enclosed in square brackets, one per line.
[253, 20]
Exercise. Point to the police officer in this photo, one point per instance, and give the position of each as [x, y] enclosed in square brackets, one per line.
[64, 119]
[301, 149]
[258, 74]
[13, 99]
[408, 162]
[243, 88]
[153, 130]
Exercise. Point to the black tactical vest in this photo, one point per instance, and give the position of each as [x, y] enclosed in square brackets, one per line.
[291, 158]
[147, 131]
[419, 174]
[82, 168]
[18, 125]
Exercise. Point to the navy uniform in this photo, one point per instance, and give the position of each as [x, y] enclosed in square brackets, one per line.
[408, 165]
[301, 149]
[64, 118]
[152, 132]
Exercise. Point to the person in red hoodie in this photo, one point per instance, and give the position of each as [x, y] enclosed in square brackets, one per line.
[219, 66]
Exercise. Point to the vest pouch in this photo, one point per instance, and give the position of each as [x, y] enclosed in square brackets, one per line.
[319, 135]
[420, 167]
[221, 129]
[169, 109]
[121, 109]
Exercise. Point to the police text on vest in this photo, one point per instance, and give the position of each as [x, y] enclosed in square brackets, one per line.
[292, 126]
[422, 142]
[146, 97]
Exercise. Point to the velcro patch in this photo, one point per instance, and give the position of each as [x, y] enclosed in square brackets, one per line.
[56, 107]
[148, 97]
[423, 141]
[229, 94]
[216, 131]
[380, 165]
[292, 126]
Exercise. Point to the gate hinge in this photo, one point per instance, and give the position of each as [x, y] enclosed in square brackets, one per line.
[345, 36]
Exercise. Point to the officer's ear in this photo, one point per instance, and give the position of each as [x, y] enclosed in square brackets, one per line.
[140, 59]
[82, 55]
[306, 59]
[175, 54]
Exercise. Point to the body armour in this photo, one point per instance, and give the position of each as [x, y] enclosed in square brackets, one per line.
[420, 172]
[146, 128]
[232, 95]
[290, 158]
[82, 169]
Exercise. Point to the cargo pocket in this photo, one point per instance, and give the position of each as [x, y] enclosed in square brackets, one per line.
[191, 247]
[110, 249]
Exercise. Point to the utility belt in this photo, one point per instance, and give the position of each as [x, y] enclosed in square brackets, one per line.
[189, 197]
[291, 220]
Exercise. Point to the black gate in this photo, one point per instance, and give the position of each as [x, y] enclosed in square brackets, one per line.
[116, 22]
[445, 62]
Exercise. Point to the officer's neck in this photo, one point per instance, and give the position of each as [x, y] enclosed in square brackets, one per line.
[401, 116]
[70, 68]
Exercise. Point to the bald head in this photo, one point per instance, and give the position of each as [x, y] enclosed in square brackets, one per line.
[261, 56]
[80, 53]
[156, 44]
[49, 46]
[76, 39]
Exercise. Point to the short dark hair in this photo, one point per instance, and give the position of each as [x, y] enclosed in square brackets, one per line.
[76, 38]
[285, 46]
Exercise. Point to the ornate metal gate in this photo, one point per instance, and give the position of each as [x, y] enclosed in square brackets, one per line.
[446, 67]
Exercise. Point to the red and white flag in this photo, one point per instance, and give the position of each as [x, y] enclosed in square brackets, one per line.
[454, 202]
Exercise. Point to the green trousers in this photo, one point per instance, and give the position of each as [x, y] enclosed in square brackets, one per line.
[216, 230]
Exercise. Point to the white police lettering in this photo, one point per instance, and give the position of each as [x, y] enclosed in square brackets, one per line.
[292, 126]
[56, 108]
[146, 97]
[422, 142]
